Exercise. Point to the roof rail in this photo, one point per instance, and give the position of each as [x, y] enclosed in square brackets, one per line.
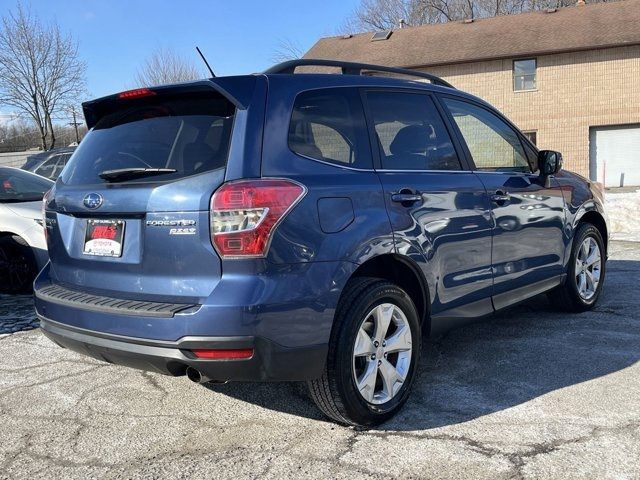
[352, 68]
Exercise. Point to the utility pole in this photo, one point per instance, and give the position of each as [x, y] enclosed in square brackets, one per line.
[75, 124]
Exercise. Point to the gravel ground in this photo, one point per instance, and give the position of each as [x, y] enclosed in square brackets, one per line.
[529, 393]
[16, 314]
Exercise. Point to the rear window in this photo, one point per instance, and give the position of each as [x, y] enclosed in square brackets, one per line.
[19, 186]
[329, 125]
[190, 134]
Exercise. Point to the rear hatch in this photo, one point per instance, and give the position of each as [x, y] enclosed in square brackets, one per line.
[129, 216]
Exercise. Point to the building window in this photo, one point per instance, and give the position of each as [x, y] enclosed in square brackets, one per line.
[531, 136]
[524, 75]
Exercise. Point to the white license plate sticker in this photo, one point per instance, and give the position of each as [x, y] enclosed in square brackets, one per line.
[103, 238]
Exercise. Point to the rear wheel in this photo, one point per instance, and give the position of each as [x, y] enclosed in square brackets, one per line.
[373, 353]
[585, 273]
[17, 265]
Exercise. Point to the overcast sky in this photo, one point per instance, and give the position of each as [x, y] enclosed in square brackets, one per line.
[236, 36]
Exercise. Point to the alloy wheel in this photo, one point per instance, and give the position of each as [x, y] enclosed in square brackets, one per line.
[588, 268]
[382, 353]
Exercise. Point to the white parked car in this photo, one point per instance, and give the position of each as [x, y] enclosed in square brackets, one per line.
[23, 248]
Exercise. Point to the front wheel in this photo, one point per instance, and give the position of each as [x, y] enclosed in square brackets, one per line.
[585, 272]
[373, 354]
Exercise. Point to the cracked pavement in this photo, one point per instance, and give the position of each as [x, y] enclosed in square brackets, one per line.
[528, 393]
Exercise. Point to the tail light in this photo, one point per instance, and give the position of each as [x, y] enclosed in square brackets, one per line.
[45, 199]
[137, 93]
[244, 214]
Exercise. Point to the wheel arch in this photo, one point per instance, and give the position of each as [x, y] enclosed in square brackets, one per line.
[596, 219]
[7, 234]
[403, 272]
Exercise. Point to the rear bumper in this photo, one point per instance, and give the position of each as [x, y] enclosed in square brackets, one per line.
[270, 361]
[285, 316]
[292, 306]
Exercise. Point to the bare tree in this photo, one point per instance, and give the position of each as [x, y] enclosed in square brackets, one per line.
[287, 49]
[40, 70]
[386, 14]
[17, 133]
[166, 66]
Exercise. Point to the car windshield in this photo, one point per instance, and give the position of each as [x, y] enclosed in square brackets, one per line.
[19, 186]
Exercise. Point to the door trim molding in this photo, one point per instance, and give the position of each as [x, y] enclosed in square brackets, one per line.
[517, 295]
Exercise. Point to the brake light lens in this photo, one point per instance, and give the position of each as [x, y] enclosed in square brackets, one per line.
[236, 354]
[244, 214]
[45, 200]
[137, 93]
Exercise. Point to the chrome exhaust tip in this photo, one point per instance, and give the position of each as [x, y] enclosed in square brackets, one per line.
[194, 375]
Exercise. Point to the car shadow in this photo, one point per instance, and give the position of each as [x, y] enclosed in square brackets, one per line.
[502, 361]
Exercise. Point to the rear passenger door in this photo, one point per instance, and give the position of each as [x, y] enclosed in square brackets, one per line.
[528, 214]
[438, 208]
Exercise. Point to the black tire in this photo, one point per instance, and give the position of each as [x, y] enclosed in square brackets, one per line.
[335, 393]
[566, 297]
[17, 265]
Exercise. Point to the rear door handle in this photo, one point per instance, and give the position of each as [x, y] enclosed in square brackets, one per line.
[406, 197]
[500, 197]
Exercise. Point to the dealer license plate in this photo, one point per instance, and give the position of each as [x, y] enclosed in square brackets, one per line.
[103, 238]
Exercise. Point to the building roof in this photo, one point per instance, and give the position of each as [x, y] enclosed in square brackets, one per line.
[581, 27]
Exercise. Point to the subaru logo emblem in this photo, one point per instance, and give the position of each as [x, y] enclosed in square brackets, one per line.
[93, 200]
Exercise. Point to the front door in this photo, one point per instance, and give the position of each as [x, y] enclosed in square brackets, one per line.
[528, 213]
[439, 210]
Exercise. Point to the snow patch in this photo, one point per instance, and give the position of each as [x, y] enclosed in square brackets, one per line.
[624, 215]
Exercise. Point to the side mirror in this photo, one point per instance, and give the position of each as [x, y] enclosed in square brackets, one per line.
[549, 162]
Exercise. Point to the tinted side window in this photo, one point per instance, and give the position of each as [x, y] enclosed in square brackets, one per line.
[410, 132]
[63, 159]
[329, 125]
[532, 155]
[493, 144]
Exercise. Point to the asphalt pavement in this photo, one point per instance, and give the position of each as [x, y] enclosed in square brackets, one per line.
[528, 393]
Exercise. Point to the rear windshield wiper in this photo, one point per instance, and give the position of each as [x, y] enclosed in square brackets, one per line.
[128, 173]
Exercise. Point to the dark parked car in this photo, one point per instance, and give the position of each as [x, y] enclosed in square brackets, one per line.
[49, 164]
[286, 226]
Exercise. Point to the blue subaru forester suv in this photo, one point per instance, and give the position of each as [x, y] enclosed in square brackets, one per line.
[306, 227]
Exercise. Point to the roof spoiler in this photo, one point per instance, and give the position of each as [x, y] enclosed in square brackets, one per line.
[238, 90]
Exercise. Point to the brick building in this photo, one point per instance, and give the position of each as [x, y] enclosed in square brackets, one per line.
[569, 78]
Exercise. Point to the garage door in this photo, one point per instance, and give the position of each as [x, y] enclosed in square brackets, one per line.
[614, 155]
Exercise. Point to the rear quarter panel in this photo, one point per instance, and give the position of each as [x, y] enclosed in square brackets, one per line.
[341, 235]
